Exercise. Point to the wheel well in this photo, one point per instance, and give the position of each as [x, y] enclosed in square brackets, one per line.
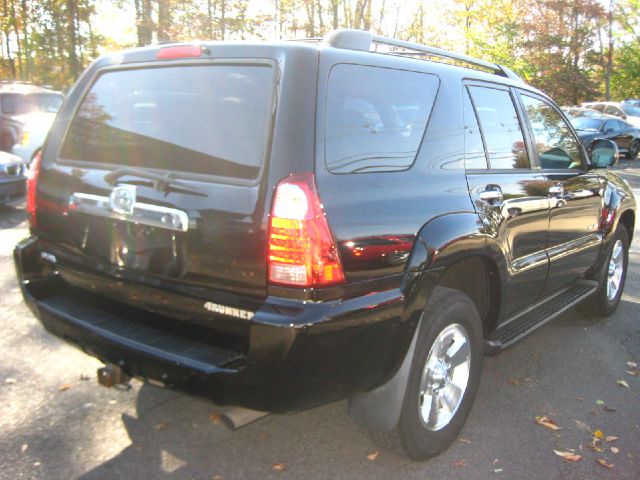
[628, 219]
[478, 278]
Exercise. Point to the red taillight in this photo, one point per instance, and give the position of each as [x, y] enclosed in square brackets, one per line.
[32, 182]
[179, 51]
[302, 251]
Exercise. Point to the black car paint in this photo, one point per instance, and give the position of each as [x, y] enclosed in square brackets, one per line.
[623, 138]
[301, 348]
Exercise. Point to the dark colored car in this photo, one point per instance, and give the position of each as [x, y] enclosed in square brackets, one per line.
[625, 135]
[13, 178]
[17, 100]
[275, 226]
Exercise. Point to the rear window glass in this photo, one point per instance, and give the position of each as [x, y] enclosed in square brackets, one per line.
[198, 119]
[376, 117]
[19, 103]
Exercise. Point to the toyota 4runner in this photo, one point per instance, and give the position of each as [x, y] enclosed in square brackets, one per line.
[275, 226]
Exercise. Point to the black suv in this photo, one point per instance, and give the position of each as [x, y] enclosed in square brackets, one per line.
[275, 226]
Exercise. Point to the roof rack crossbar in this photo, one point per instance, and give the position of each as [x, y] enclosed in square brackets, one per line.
[362, 40]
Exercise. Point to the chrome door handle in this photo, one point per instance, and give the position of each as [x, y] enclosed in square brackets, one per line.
[557, 190]
[491, 195]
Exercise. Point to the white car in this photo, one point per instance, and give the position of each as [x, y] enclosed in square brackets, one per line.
[33, 132]
[622, 110]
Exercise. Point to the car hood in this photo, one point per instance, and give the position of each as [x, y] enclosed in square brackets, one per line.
[36, 121]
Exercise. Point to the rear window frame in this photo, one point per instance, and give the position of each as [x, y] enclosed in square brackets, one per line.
[202, 63]
[385, 67]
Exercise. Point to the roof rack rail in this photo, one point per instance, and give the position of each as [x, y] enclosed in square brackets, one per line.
[361, 40]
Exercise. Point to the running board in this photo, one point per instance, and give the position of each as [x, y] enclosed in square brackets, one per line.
[536, 316]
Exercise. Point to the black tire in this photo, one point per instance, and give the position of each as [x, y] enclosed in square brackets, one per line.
[634, 149]
[601, 304]
[447, 308]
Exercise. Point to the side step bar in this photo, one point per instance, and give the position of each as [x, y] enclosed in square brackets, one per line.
[531, 319]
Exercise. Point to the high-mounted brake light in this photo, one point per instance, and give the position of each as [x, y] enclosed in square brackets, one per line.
[302, 250]
[32, 182]
[179, 51]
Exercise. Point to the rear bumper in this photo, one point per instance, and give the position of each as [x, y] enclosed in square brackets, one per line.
[297, 355]
[12, 190]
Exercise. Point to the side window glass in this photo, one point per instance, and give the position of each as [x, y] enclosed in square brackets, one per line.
[599, 108]
[556, 145]
[376, 118]
[474, 155]
[611, 126]
[500, 128]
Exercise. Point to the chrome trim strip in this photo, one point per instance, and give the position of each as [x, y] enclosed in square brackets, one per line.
[143, 213]
[529, 261]
[574, 246]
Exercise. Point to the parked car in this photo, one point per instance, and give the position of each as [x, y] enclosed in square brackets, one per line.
[13, 176]
[574, 112]
[625, 135]
[33, 130]
[19, 100]
[634, 102]
[621, 110]
[275, 226]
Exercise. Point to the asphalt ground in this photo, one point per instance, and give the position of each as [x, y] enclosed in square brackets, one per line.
[57, 423]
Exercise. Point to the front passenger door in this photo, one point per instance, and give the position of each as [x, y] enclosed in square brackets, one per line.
[575, 194]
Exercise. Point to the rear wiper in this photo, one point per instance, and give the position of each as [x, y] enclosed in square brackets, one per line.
[162, 183]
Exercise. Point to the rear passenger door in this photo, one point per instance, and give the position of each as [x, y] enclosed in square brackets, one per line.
[574, 191]
[508, 192]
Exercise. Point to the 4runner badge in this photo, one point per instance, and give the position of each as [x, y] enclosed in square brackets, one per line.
[230, 311]
[123, 199]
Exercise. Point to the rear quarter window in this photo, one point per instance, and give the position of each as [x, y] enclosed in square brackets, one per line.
[210, 120]
[376, 117]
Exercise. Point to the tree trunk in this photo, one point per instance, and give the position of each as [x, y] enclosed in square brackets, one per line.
[25, 38]
[14, 23]
[72, 12]
[164, 20]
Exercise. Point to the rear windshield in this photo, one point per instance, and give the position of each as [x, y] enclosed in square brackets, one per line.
[19, 103]
[587, 124]
[376, 117]
[198, 119]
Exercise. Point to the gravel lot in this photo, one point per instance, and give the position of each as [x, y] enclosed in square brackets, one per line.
[57, 423]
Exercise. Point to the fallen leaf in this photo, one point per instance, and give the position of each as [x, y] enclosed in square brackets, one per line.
[513, 381]
[279, 467]
[615, 449]
[582, 426]
[594, 445]
[65, 387]
[216, 477]
[607, 408]
[622, 383]
[460, 463]
[545, 421]
[10, 381]
[24, 447]
[215, 418]
[568, 456]
[604, 463]
[632, 365]
[580, 398]
[464, 440]
[611, 438]
[598, 434]
[373, 456]
[113, 401]
[497, 470]
[635, 372]
[161, 426]
[599, 402]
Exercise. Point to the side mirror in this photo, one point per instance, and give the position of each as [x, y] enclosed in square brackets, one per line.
[604, 153]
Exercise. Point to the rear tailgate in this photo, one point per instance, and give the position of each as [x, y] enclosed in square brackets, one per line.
[160, 176]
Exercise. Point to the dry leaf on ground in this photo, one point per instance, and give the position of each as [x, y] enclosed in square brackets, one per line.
[622, 383]
[615, 449]
[65, 387]
[215, 418]
[598, 434]
[161, 426]
[604, 463]
[24, 447]
[460, 463]
[611, 438]
[545, 421]
[632, 365]
[568, 456]
[10, 381]
[373, 456]
[279, 467]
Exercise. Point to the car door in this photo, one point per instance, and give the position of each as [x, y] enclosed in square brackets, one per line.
[624, 135]
[509, 193]
[611, 131]
[574, 192]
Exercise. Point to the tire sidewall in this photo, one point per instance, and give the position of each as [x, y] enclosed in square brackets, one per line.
[446, 307]
[604, 305]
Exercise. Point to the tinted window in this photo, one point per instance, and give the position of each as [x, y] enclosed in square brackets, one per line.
[376, 117]
[630, 110]
[202, 119]
[500, 128]
[612, 126]
[611, 110]
[18, 103]
[475, 156]
[599, 107]
[587, 124]
[556, 145]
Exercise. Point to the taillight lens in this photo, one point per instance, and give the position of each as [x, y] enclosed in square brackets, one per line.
[32, 182]
[302, 250]
[179, 51]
